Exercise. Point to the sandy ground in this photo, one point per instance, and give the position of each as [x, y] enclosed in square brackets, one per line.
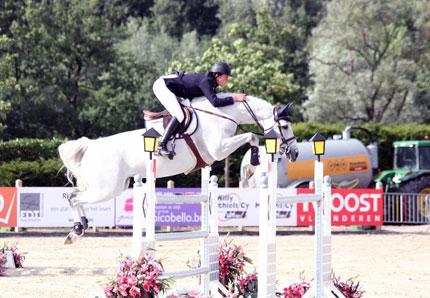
[392, 262]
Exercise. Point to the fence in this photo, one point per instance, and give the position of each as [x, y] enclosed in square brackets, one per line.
[406, 208]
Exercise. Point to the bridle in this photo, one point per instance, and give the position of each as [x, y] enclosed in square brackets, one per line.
[284, 141]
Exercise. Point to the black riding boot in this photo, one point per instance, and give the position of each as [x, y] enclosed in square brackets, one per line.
[170, 130]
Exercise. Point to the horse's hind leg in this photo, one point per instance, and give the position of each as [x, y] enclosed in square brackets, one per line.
[79, 198]
[80, 221]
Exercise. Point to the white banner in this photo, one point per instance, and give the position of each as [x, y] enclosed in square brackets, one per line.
[48, 207]
[240, 207]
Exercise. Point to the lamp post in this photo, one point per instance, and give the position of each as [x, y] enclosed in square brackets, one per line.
[321, 228]
[150, 141]
[147, 204]
[318, 141]
[271, 143]
[267, 218]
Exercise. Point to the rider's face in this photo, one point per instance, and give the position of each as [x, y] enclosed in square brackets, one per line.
[222, 80]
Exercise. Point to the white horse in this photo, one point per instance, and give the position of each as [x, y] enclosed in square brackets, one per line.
[103, 167]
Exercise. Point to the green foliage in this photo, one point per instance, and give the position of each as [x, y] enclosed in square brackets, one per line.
[256, 60]
[366, 59]
[67, 70]
[43, 172]
[177, 17]
[29, 149]
[34, 161]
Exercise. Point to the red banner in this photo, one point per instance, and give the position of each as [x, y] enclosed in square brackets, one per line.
[8, 202]
[350, 207]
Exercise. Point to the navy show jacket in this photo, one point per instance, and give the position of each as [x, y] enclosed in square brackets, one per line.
[191, 85]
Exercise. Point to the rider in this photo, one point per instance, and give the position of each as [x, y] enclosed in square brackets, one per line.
[169, 88]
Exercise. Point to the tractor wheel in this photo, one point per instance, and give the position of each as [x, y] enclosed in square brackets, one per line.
[420, 186]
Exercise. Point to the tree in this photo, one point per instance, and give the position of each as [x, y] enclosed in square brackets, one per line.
[177, 17]
[7, 82]
[365, 62]
[256, 61]
[65, 56]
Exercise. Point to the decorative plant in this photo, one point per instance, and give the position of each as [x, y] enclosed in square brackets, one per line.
[232, 261]
[248, 286]
[18, 257]
[296, 290]
[3, 261]
[349, 288]
[138, 278]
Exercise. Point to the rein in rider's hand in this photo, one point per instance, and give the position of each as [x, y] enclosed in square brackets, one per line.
[239, 97]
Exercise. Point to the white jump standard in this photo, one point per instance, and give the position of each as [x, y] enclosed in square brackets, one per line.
[144, 203]
[321, 199]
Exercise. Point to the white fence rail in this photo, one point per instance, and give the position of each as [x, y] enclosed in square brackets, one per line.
[406, 208]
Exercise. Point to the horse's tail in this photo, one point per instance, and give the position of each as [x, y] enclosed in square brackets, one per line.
[71, 154]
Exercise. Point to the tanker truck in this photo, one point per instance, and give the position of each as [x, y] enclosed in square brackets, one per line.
[351, 164]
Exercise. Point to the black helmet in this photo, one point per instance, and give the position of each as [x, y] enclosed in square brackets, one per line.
[222, 68]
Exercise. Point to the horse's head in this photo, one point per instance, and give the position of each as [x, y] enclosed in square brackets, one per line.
[282, 125]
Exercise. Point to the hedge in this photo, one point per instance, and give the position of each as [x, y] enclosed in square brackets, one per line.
[42, 172]
[29, 149]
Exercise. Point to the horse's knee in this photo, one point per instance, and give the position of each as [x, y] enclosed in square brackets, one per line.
[73, 199]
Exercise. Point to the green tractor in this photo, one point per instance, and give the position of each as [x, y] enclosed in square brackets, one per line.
[411, 171]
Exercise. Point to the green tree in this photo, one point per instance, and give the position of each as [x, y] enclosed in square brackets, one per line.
[365, 60]
[7, 82]
[65, 60]
[177, 17]
[255, 58]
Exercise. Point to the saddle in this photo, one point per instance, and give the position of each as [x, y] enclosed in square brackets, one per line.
[181, 133]
[165, 115]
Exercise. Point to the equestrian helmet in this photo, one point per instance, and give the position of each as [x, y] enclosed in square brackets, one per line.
[222, 68]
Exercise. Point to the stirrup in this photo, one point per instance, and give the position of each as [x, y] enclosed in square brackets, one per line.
[163, 151]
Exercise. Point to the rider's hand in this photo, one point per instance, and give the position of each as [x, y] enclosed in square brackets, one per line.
[239, 97]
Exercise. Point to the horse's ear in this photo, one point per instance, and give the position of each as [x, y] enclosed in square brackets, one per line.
[284, 111]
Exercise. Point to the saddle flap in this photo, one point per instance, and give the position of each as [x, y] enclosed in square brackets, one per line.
[165, 115]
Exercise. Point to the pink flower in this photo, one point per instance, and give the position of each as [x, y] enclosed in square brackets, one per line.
[134, 291]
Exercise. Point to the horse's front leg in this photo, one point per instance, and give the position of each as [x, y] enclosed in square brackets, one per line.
[229, 145]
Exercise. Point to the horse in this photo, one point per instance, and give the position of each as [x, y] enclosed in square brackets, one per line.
[102, 167]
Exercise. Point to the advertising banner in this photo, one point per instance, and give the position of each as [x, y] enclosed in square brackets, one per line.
[48, 207]
[174, 215]
[237, 207]
[351, 207]
[8, 203]
[240, 207]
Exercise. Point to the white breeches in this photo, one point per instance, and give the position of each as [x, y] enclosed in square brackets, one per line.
[167, 98]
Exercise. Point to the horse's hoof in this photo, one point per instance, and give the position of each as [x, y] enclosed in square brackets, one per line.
[76, 233]
[71, 238]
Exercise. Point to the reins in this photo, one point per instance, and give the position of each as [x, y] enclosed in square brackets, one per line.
[250, 111]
